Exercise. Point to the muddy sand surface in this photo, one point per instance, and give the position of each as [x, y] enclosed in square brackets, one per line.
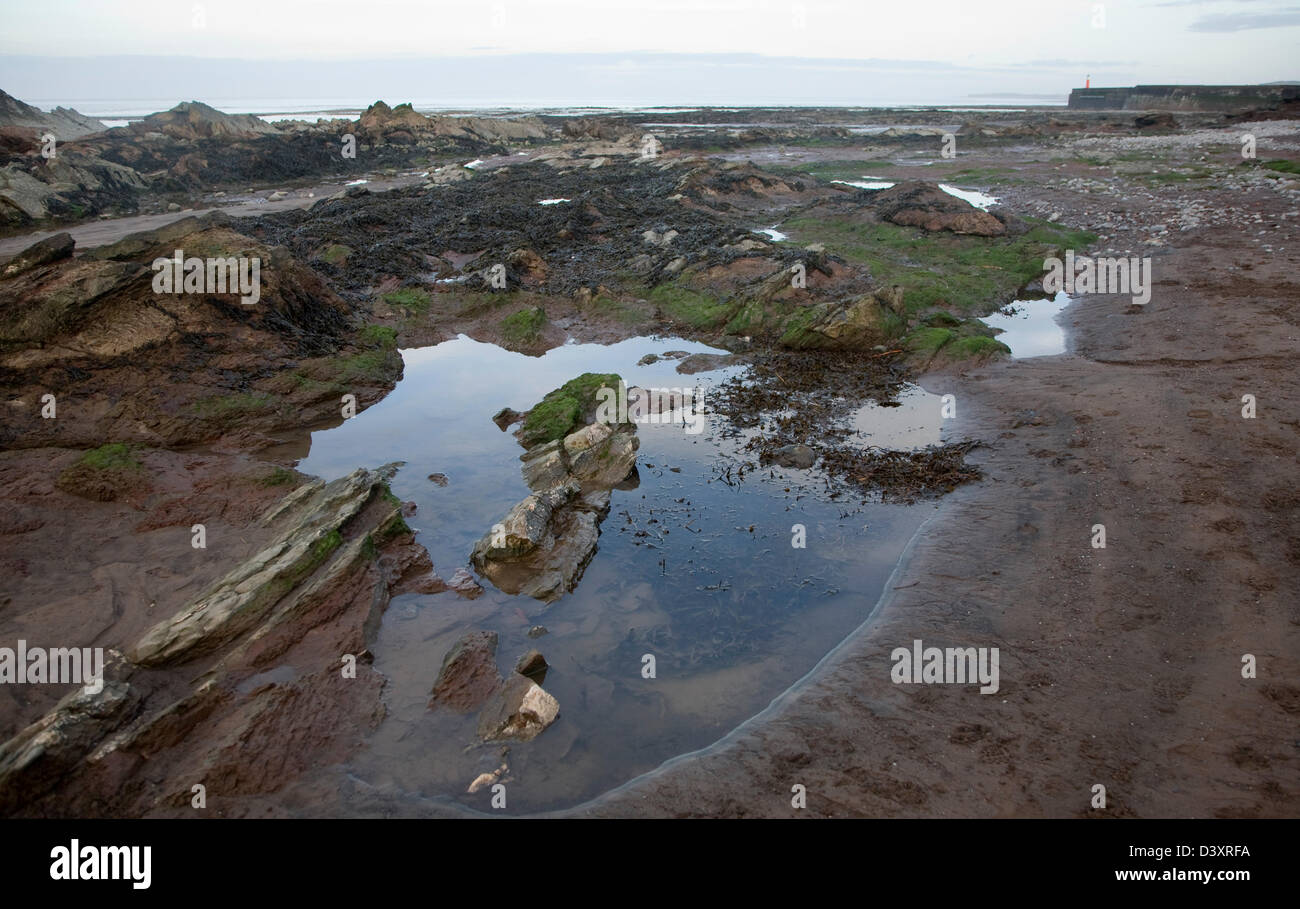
[1120, 666]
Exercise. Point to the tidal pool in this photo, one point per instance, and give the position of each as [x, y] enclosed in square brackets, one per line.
[980, 200]
[1030, 327]
[692, 568]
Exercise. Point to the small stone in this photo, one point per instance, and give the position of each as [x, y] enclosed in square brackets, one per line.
[505, 417]
[532, 665]
[800, 457]
[537, 631]
[464, 584]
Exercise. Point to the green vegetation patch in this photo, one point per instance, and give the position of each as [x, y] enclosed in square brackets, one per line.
[380, 336]
[279, 476]
[836, 170]
[965, 341]
[335, 254]
[928, 340]
[978, 346]
[795, 332]
[967, 273]
[103, 474]
[1283, 166]
[412, 299]
[113, 456]
[523, 327]
[371, 366]
[232, 407]
[566, 408]
[682, 304]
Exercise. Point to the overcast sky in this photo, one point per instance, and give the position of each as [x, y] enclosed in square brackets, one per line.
[957, 48]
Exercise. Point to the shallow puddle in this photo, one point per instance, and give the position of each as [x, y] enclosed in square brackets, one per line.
[1030, 327]
[696, 572]
[912, 422]
[980, 200]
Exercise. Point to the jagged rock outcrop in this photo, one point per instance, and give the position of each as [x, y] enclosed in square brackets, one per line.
[63, 122]
[155, 367]
[925, 205]
[71, 184]
[33, 760]
[313, 516]
[42, 252]
[853, 325]
[542, 546]
[269, 669]
[515, 708]
[380, 120]
[191, 120]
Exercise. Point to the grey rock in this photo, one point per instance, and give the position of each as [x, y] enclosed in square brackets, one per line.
[312, 515]
[800, 457]
[42, 252]
[533, 665]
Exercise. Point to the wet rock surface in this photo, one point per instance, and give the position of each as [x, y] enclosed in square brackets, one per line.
[925, 205]
[469, 675]
[521, 710]
[169, 368]
[542, 545]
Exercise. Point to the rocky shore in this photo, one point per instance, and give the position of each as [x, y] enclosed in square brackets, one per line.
[247, 663]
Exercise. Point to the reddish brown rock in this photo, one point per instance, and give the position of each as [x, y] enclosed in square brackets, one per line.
[469, 673]
[925, 205]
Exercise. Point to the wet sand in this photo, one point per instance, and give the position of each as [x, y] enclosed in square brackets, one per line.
[1119, 666]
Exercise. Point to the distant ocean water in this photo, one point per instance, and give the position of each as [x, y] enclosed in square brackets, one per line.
[120, 111]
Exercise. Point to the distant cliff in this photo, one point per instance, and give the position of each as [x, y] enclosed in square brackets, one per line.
[1226, 98]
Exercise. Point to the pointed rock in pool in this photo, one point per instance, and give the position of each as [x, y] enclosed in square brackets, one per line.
[533, 665]
[600, 456]
[51, 249]
[505, 418]
[520, 710]
[464, 584]
[469, 673]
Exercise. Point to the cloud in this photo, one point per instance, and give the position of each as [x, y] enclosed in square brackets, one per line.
[1240, 22]
[1201, 2]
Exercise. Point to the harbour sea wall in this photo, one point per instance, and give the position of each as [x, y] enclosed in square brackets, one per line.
[1184, 97]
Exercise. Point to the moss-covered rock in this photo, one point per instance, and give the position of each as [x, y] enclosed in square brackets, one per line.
[855, 325]
[523, 328]
[567, 408]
